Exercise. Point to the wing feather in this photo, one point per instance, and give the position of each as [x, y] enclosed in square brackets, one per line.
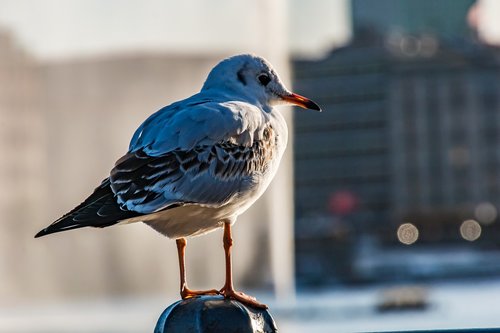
[203, 153]
[204, 175]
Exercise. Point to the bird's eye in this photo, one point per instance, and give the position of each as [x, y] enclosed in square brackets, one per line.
[264, 79]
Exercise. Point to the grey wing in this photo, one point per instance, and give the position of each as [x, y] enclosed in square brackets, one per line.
[192, 152]
[186, 126]
[207, 175]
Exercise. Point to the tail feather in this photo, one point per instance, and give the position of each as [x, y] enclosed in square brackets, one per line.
[99, 210]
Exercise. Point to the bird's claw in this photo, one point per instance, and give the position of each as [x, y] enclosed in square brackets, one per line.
[242, 298]
[188, 293]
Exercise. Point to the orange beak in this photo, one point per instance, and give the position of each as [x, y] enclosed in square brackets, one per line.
[301, 101]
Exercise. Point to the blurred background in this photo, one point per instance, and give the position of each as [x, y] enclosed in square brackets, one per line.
[384, 215]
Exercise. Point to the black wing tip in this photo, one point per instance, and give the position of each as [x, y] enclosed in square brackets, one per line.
[54, 228]
[42, 232]
[47, 231]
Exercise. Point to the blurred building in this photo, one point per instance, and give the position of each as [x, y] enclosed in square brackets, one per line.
[23, 161]
[444, 143]
[446, 18]
[410, 134]
[91, 107]
[62, 128]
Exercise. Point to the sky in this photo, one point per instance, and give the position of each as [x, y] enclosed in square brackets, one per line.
[53, 29]
[65, 28]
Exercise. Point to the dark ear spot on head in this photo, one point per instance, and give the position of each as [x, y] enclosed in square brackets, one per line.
[241, 77]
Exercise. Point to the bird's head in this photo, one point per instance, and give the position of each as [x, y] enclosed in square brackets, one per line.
[254, 79]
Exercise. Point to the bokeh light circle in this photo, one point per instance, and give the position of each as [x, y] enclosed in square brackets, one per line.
[486, 213]
[470, 230]
[407, 233]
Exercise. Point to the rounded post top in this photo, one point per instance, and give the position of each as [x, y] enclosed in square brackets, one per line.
[211, 314]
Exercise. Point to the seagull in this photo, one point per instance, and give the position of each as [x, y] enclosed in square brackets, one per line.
[195, 165]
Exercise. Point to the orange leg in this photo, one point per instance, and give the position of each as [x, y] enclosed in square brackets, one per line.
[228, 289]
[185, 291]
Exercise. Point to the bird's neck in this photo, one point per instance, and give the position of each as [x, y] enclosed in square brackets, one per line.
[228, 94]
